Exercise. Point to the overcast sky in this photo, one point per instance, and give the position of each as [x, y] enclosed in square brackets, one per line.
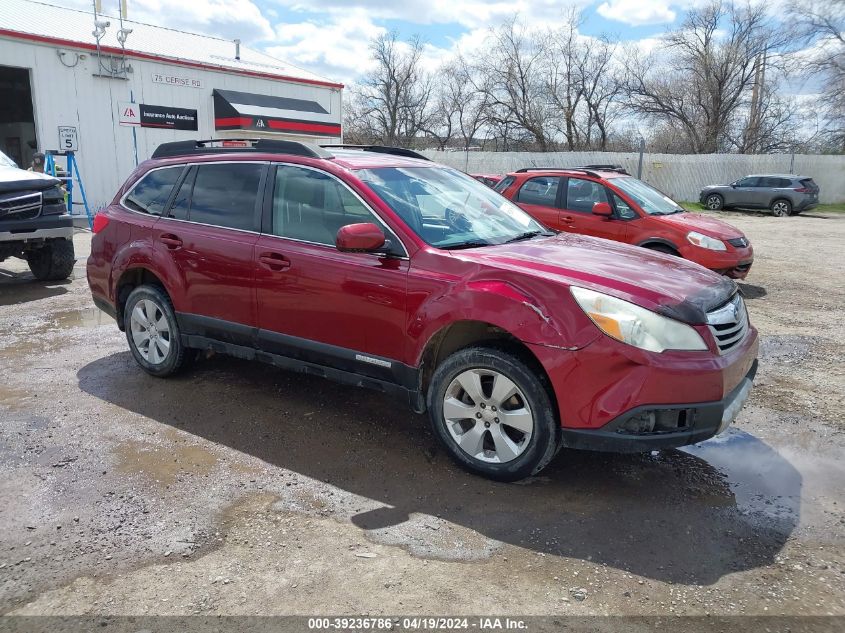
[330, 37]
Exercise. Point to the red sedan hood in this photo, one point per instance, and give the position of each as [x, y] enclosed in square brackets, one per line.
[703, 224]
[664, 283]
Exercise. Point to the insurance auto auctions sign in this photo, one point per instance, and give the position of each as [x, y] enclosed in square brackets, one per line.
[145, 115]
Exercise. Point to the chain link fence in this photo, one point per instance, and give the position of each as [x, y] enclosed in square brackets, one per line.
[681, 176]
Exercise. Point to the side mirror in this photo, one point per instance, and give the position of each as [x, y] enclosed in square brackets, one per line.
[359, 238]
[603, 209]
[734, 184]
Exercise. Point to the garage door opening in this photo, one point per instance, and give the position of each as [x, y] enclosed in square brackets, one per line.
[17, 119]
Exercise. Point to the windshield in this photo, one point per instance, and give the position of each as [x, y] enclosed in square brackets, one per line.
[5, 161]
[449, 209]
[650, 199]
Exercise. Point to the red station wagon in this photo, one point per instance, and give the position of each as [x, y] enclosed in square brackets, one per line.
[607, 202]
[378, 268]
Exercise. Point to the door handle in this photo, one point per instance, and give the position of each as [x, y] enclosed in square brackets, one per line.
[274, 261]
[172, 242]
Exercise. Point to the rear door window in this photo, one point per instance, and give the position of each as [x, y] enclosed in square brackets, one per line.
[225, 194]
[182, 202]
[541, 191]
[151, 193]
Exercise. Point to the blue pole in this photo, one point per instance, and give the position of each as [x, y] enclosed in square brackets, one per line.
[134, 132]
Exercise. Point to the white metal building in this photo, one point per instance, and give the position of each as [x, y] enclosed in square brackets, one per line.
[115, 104]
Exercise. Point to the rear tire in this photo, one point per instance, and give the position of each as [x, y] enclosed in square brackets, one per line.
[153, 332]
[53, 261]
[503, 426]
[781, 208]
[714, 202]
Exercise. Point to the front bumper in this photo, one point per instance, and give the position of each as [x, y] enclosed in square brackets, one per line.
[607, 382]
[700, 421]
[734, 262]
[40, 228]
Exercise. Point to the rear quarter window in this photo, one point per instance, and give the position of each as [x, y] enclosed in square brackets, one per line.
[503, 184]
[151, 193]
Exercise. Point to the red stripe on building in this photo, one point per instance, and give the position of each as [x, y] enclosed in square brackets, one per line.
[320, 128]
[234, 121]
[45, 39]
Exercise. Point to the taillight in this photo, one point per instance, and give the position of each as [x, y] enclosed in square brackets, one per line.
[101, 221]
[802, 190]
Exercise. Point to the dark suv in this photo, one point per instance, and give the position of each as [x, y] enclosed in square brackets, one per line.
[784, 194]
[34, 224]
[378, 268]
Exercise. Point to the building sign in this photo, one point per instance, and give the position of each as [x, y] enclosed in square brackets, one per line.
[177, 80]
[267, 113]
[68, 139]
[144, 115]
[129, 113]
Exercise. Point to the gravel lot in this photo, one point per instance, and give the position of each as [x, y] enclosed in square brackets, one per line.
[241, 489]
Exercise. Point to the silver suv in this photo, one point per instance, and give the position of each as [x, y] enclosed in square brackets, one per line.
[784, 194]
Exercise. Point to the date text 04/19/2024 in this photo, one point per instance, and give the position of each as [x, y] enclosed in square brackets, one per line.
[421, 623]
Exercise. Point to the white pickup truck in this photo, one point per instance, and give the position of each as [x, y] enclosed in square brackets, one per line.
[34, 222]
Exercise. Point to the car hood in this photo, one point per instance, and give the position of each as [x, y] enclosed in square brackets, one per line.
[666, 284]
[713, 227]
[14, 179]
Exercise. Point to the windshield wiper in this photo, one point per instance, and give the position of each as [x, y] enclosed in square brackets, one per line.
[471, 244]
[526, 236]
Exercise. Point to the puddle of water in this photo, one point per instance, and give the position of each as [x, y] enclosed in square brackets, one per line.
[163, 464]
[12, 398]
[84, 317]
[771, 481]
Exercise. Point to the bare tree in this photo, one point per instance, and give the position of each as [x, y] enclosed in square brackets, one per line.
[821, 23]
[565, 57]
[392, 101]
[515, 65]
[700, 81]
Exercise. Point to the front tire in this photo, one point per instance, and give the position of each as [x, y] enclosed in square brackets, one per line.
[714, 202]
[781, 208]
[53, 261]
[493, 414]
[153, 332]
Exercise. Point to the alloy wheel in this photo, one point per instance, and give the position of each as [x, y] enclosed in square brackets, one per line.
[780, 209]
[488, 416]
[150, 331]
[714, 203]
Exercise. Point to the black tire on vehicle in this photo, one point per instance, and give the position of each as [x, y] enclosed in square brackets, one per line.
[153, 332]
[52, 261]
[781, 208]
[488, 434]
[714, 202]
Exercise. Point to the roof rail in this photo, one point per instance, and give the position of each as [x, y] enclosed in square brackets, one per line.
[581, 169]
[381, 149]
[617, 168]
[239, 145]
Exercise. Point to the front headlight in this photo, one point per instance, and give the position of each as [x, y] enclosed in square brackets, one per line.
[705, 241]
[635, 325]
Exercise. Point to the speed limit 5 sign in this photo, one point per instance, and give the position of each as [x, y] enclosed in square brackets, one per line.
[68, 139]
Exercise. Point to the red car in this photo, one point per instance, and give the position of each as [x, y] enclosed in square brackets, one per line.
[375, 268]
[609, 203]
[491, 180]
